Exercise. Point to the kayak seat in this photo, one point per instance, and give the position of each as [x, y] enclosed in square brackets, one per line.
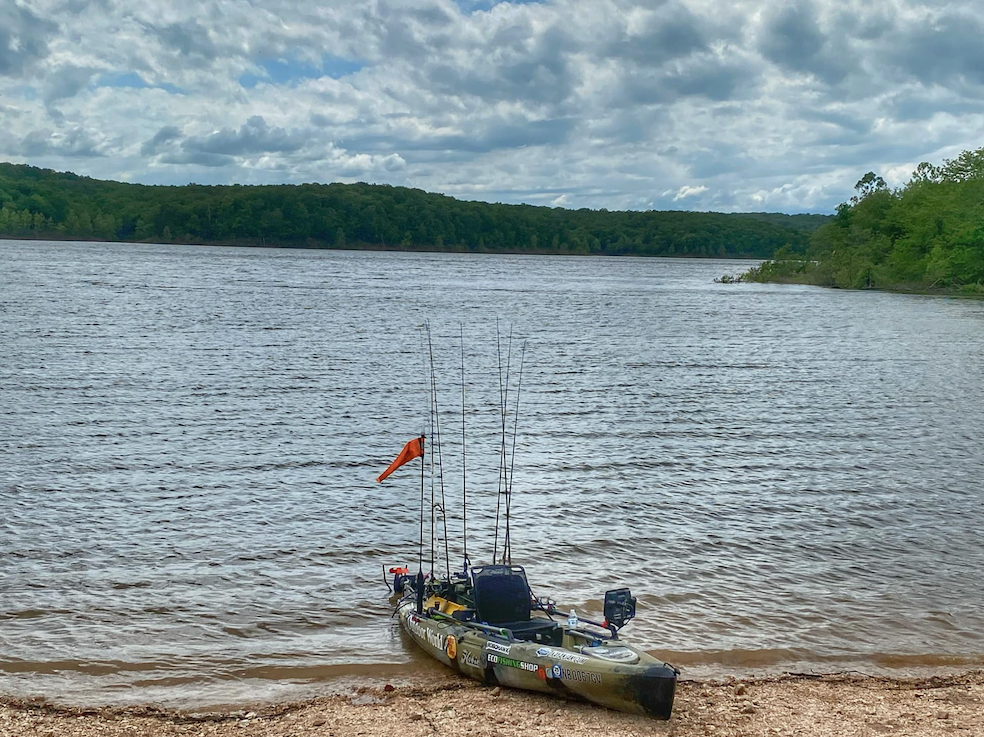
[503, 599]
[537, 629]
[501, 594]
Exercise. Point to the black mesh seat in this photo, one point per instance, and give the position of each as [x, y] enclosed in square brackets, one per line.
[502, 598]
[501, 594]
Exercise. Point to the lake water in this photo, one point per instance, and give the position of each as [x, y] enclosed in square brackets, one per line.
[787, 477]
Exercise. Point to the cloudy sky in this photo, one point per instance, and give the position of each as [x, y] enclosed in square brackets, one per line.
[682, 104]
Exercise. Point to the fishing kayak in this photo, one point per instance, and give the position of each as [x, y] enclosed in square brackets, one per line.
[485, 622]
[530, 650]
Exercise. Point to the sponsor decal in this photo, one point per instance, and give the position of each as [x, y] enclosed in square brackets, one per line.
[511, 663]
[618, 654]
[547, 652]
[555, 672]
[451, 647]
[470, 660]
[570, 674]
[497, 647]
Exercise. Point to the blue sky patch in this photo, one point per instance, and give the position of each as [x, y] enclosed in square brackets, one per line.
[132, 80]
[27, 91]
[288, 71]
[472, 5]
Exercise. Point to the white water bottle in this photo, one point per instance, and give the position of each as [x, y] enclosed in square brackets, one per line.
[572, 619]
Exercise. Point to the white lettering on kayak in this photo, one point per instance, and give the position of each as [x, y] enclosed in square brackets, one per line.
[510, 663]
[427, 634]
[569, 674]
[547, 652]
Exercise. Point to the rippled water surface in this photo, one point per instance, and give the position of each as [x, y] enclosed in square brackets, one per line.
[787, 477]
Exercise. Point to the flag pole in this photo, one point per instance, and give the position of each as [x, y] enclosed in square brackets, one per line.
[420, 563]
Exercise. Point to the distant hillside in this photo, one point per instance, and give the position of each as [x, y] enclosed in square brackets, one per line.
[927, 235]
[38, 203]
[807, 223]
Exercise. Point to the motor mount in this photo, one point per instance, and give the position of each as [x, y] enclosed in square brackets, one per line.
[620, 607]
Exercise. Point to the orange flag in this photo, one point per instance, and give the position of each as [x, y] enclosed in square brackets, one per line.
[413, 449]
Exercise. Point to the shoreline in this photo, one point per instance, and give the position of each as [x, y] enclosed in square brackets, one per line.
[790, 704]
[805, 280]
[374, 247]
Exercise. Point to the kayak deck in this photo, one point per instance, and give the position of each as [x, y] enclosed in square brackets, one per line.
[545, 657]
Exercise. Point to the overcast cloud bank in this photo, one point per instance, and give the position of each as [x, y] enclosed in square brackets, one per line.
[679, 104]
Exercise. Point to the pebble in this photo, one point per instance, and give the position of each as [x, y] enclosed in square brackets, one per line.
[416, 717]
[389, 687]
[495, 692]
[558, 713]
[318, 723]
[748, 709]
[740, 689]
[942, 715]
[250, 715]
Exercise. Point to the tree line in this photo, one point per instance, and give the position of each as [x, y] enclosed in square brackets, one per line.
[40, 203]
[926, 235]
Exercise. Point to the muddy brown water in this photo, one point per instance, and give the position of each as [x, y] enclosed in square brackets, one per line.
[789, 478]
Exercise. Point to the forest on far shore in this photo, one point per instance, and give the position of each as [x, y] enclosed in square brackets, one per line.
[927, 235]
[40, 203]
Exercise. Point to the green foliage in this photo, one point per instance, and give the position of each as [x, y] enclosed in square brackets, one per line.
[926, 235]
[363, 215]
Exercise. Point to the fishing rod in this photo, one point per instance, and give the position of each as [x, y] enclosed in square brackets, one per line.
[498, 491]
[507, 548]
[420, 557]
[503, 399]
[436, 430]
[464, 495]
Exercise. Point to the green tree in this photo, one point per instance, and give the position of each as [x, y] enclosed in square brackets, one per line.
[868, 185]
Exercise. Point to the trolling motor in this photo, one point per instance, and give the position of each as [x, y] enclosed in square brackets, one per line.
[401, 576]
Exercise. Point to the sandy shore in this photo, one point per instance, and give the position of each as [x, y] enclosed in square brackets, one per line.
[787, 705]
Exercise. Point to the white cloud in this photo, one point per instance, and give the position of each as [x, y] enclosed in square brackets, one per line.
[688, 191]
[603, 103]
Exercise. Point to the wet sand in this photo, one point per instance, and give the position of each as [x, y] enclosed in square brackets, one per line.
[841, 704]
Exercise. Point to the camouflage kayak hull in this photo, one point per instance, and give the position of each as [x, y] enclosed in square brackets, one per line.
[609, 673]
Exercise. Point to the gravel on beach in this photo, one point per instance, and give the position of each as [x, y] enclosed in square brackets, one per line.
[839, 704]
